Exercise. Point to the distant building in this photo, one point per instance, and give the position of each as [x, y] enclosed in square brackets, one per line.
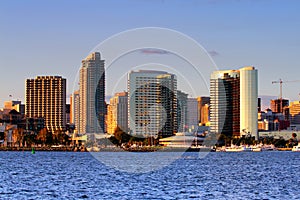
[117, 113]
[75, 108]
[294, 111]
[259, 105]
[272, 121]
[92, 95]
[278, 105]
[152, 104]
[14, 105]
[182, 111]
[203, 109]
[233, 102]
[68, 110]
[46, 98]
[192, 113]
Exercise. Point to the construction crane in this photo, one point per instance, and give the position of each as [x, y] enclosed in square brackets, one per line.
[280, 94]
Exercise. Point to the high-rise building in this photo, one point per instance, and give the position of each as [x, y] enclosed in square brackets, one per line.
[224, 102]
[233, 101]
[117, 113]
[182, 111]
[192, 113]
[46, 97]
[203, 109]
[92, 95]
[248, 101]
[152, 103]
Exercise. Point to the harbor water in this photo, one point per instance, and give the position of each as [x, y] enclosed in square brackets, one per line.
[218, 175]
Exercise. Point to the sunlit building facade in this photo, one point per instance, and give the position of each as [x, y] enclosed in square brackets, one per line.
[203, 110]
[117, 113]
[46, 98]
[294, 109]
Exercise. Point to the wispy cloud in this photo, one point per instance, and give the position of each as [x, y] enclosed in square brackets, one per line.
[153, 51]
[213, 53]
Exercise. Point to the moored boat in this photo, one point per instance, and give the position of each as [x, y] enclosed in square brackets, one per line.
[296, 148]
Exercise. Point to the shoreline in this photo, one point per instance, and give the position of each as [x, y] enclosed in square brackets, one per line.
[141, 150]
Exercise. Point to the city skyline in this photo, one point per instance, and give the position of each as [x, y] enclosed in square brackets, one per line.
[266, 39]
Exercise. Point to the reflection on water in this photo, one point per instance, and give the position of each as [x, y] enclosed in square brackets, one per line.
[68, 175]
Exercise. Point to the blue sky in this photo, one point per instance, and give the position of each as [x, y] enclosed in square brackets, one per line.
[52, 37]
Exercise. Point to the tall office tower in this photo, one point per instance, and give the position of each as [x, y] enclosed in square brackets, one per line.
[92, 95]
[278, 105]
[117, 113]
[181, 111]
[203, 109]
[192, 113]
[233, 101]
[75, 110]
[294, 109]
[248, 101]
[46, 97]
[152, 103]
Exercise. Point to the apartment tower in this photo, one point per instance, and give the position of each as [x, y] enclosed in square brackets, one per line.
[46, 97]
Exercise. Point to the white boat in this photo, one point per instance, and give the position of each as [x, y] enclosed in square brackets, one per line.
[270, 147]
[93, 149]
[256, 149]
[296, 148]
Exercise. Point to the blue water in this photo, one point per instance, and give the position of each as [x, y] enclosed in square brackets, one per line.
[68, 175]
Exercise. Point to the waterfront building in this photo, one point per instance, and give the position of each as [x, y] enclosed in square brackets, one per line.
[192, 113]
[182, 111]
[203, 110]
[233, 102]
[46, 98]
[92, 105]
[117, 113]
[152, 103]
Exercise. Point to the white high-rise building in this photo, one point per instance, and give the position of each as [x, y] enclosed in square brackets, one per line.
[46, 97]
[92, 95]
[233, 101]
[248, 101]
[152, 103]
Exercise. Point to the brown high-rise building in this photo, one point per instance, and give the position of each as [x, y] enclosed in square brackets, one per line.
[225, 101]
[46, 97]
[278, 105]
[203, 109]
